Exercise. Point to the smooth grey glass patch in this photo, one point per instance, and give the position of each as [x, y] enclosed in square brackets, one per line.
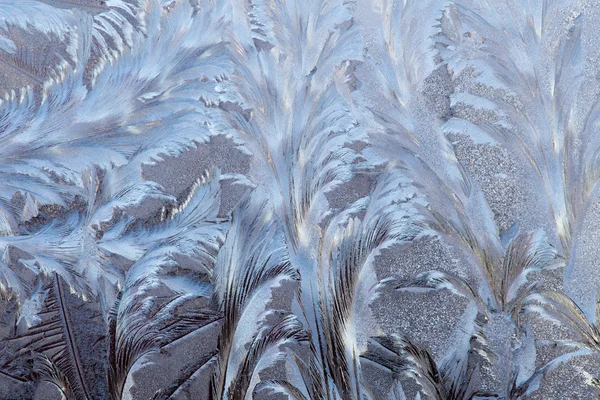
[299, 199]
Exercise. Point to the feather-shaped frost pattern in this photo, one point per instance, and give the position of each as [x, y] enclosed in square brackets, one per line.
[318, 199]
[69, 354]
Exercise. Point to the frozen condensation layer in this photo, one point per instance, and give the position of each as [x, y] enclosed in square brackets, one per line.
[247, 199]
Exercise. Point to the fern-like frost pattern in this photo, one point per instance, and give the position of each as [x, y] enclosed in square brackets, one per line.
[307, 200]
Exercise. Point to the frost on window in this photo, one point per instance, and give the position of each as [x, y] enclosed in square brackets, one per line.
[299, 199]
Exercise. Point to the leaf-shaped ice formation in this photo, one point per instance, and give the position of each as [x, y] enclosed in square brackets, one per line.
[454, 142]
